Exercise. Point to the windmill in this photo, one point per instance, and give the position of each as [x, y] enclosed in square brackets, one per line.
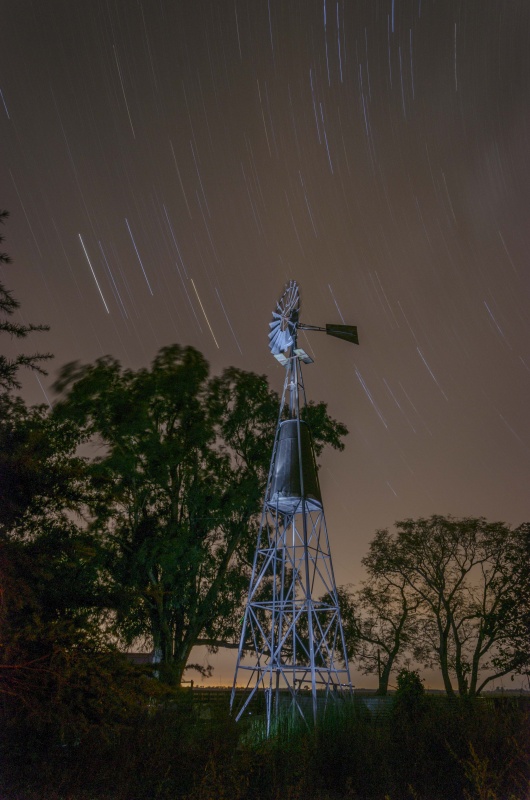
[292, 645]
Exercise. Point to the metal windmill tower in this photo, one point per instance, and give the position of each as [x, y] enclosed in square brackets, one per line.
[292, 644]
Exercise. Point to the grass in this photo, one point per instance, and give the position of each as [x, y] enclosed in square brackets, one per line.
[440, 751]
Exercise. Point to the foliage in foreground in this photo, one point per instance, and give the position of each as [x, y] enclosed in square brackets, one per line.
[430, 748]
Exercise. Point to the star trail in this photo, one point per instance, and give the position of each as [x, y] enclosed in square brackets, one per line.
[168, 164]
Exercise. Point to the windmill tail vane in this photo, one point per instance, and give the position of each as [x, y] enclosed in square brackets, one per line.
[292, 633]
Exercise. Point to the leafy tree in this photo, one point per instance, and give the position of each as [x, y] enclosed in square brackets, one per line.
[464, 574]
[40, 474]
[26, 455]
[60, 673]
[56, 662]
[410, 692]
[177, 490]
[60, 678]
[8, 306]
[387, 624]
[514, 612]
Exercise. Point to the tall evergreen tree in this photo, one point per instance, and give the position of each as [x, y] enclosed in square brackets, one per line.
[8, 305]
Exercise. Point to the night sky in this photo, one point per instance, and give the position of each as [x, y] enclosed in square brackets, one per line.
[170, 164]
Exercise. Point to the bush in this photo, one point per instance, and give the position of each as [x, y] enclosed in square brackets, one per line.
[453, 749]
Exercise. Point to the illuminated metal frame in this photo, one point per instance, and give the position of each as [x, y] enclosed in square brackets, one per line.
[292, 634]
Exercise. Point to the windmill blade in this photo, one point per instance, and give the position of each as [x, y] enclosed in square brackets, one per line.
[282, 333]
[280, 340]
[346, 332]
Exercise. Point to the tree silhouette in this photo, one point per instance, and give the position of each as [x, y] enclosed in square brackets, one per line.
[8, 306]
[464, 574]
[178, 490]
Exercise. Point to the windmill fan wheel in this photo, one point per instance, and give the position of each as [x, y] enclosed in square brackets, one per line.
[285, 320]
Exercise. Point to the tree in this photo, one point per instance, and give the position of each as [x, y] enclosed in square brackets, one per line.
[60, 672]
[178, 490]
[8, 306]
[48, 568]
[514, 612]
[40, 474]
[463, 573]
[387, 626]
[409, 697]
[60, 677]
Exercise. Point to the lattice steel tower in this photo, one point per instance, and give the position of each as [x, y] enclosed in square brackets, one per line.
[292, 644]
